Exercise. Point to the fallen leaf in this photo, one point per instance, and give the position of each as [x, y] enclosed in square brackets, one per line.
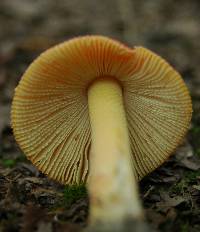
[192, 165]
[66, 227]
[171, 179]
[33, 180]
[33, 215]
[154, 217]
[167, 202]
[171, 214]
[185, 150]
[196, 187]
[44, 226]
[171, 202]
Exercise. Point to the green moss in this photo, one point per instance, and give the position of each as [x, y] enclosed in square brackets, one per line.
[191, 176]
[73, 193]
[179, 188]
[185, 227]
[8, 163]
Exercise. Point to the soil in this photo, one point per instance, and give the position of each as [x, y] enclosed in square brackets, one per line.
[29, 201]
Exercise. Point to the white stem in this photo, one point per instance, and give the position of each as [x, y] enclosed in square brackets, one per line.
[112, 186]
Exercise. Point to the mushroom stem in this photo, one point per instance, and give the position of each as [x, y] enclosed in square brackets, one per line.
[112, 185]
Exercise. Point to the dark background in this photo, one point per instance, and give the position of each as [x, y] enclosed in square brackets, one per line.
[171, 195]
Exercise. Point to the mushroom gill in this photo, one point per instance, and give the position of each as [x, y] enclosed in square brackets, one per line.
[50, 113]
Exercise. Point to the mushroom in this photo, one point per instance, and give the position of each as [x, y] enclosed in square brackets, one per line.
[96, 111]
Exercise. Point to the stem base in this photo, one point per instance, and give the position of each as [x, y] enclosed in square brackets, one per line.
[127, 226]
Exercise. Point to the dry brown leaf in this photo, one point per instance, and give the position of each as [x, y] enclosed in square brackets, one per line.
[32, 217]
[184, 151]
[196, 187]
[192, 165]
[168, 202]
[44, 227]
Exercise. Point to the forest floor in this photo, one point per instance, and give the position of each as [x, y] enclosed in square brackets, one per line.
[29, 201]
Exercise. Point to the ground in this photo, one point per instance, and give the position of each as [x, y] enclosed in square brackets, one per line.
[29, 201]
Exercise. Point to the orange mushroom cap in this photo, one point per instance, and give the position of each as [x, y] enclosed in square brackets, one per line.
[50, 115]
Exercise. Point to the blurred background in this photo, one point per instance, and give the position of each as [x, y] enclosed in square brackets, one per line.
[171, 195]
